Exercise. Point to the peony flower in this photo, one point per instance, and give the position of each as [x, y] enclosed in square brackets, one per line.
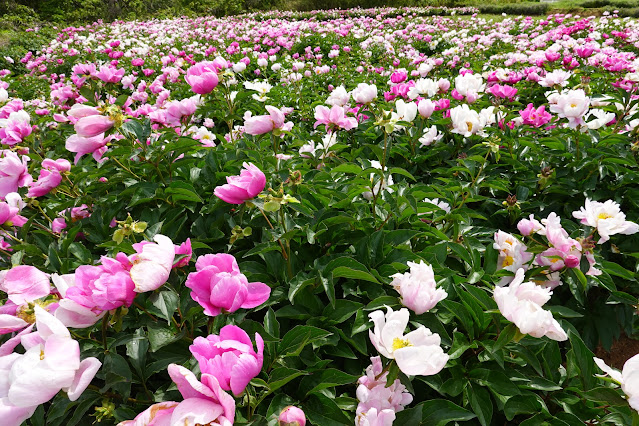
[334, 118]
[430, 135]
[425, 107]
[229, 357]
[374, 417]
[628, 378]
[262, 124]
[51, 363]
[418, 287]
[416, 353]
[403, 112]
[443, 205]
[93, 125]
[602, 118]
[381, 184]
[512, 254]
[364, 93]
[246, 186]
[95, 145]
[14, 132]
[573, 105]
[202, 77]
[13, 172]
[339, 97]
[24, 284]
[204, 403]
[373, 391]
[152, 265]
[535, 117]
[521, 303]
[467, 122]
[607, 217]
[9, 215]
[529, 226]
[556, 78]
[291, 416]
[219, 286]
[47, 181]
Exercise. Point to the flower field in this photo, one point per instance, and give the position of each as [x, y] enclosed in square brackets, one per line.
[371, 217]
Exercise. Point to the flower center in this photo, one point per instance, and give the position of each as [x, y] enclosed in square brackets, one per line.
[508, 260]
[604, 216]
[470, 126]
[400, 343]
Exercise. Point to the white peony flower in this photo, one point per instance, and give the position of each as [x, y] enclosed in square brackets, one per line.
[607, 218]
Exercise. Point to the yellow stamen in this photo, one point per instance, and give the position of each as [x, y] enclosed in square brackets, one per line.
[399, 343]
[508, 260]
[604, 216]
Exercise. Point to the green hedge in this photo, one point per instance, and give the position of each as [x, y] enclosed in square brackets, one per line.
[515, 8]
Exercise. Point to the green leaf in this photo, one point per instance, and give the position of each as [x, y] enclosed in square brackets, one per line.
[323, 411]
[521, 404]
[166, 302]
[604, 395]
[183, 191]
[281, 376]
[436, 412]
[328, 378]
[345, 272]
[481, 403]
[299, 336]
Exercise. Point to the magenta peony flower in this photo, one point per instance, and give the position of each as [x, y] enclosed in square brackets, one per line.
[202, 77]
[93, 125]
[229, 357]
[15, 131]
[247, 185]
[261, 124]
[219, 286]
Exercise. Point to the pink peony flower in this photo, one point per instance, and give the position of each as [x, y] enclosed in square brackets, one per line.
[535, 117]
[47, 181]
[184, 248]
[13, 172]
[373, 391]
[95, 145]
[261, 124]
[334, 118]
[14, 132]
[229, 357]
[291, 416]
[219, 286]
[9, 216]
[93, 125]
[239, 189]
[202, 77]
[110, 74]
[24, 284]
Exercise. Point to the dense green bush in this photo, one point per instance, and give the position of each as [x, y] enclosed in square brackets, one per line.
[515, 8]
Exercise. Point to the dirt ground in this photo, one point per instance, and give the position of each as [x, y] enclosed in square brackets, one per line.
[620, 352]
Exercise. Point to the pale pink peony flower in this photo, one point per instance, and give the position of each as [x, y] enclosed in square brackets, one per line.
[416, 353]
[418, 287]
[291, 416]
[373, 391]
[374, 417]
[628, 378]
[334, 118]
[607, 217]
[219, 286]
[521, 303]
